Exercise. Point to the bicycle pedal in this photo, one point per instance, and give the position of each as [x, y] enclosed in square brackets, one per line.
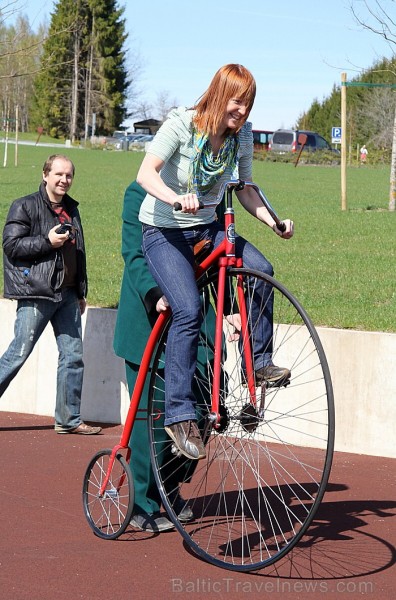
[175, 450]
[278, 384]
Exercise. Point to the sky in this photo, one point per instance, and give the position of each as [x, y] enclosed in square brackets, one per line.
[295, 50]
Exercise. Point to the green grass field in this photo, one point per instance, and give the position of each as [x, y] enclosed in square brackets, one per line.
[340, 264]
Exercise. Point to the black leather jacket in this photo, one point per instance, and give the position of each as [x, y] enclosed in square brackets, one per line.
[32, 267]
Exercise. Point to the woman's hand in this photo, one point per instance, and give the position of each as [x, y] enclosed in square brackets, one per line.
[149, 178]
[189, 203]
[289, 231]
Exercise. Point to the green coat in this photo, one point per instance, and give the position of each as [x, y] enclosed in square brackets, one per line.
[136, 313]
[136, 316]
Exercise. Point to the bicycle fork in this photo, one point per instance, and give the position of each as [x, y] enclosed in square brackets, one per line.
[225, 262]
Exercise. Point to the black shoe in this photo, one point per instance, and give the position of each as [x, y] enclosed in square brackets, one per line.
[187, 439]
[153, 523]
[183, 511]
[273, 375]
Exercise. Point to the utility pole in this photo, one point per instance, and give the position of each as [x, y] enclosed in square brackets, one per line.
[343, 143]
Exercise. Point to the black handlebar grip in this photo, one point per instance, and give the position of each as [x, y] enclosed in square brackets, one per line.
[177, 206]
[281, 227]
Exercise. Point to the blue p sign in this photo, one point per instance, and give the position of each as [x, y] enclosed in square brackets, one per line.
[336, 135]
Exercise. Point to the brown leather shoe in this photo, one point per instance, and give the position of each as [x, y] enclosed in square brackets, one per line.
[187, 439]
[82, 429]
[273, 375]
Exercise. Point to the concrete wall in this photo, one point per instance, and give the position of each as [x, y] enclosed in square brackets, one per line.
[105, 398]
[362, 364]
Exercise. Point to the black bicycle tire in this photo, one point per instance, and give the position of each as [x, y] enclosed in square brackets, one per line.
[99, 531]
[207, 280]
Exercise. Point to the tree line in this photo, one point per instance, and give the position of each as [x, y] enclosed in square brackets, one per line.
[370, 110]
[373, 113]
[77, 76]
[71, 78]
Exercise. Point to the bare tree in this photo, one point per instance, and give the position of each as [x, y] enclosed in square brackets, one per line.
[375, 16]
[19, 60]
[8, 9]
[377, 110]
[142, 110]
[159, 109]
[164, 104]
[392, 192]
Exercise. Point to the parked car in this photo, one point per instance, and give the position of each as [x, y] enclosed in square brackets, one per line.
[287, 140]
[141, 141]
[120, 133]
[132, 141]
[123, 142]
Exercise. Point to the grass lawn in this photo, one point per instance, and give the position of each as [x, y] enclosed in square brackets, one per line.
[340, 264]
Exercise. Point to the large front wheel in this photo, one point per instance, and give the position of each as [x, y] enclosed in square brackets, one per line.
[268, 461]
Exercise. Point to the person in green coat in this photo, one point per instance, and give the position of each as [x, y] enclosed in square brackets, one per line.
[136, 315]
[140, 302]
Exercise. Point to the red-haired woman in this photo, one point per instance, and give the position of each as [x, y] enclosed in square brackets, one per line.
[192, 154]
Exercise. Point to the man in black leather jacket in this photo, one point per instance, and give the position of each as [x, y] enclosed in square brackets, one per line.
[45, 271]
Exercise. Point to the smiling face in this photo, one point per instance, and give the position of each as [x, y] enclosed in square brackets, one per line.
[227, 102]
[59, 179]
[236, 113]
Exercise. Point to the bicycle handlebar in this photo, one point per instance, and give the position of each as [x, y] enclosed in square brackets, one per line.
[238, 184]
[177, 206]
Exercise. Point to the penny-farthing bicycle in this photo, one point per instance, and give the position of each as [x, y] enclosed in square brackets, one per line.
[268, 448]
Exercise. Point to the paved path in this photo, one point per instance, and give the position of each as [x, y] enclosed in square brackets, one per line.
[48, 552]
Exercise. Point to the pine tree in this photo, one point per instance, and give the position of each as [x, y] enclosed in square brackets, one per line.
[85, 69]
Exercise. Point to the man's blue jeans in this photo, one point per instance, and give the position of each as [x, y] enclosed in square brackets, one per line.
[65, 317]
[169, 255]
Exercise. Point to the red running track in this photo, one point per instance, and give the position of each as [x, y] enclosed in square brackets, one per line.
[48, 552]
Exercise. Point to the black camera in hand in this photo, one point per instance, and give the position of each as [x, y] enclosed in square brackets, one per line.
[66, 227]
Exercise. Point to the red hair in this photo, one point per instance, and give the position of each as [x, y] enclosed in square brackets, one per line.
[230, 81]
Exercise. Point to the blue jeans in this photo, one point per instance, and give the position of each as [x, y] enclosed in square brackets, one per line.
[31, 319]
[169, 255]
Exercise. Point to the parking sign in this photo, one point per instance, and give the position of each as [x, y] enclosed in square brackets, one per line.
[336, 135]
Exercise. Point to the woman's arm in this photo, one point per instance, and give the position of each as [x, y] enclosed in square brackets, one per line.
[149, 178]
[251, 202]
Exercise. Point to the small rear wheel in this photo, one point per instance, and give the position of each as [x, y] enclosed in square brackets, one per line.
[109, 512]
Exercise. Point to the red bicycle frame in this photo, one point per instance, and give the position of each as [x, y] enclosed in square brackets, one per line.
[224, 256]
